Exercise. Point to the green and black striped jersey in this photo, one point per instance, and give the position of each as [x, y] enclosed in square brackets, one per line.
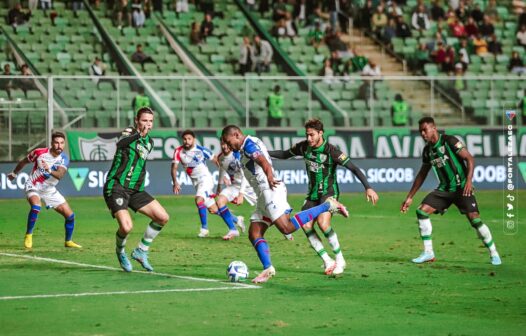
[129, 163]
[321, 164]
[448, 165]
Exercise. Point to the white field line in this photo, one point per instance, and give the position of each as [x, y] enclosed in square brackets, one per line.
[233, 285]
[152, 291]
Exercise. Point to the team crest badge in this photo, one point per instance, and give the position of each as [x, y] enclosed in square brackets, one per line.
[97, 149]
[119, 201]
[323, 157]
[441, 149]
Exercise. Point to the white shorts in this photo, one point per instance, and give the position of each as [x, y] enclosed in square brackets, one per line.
[232, 192]
[271, 205]
[205, 188]
[51, 196]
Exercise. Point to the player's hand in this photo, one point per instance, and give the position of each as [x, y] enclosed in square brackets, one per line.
[272, 182]
[468, 189]
[406, 204]
[371, 196]
[227, 180]
[11, 176]
[45, 166]
[238, 200]
[177, 188]
[144, 130]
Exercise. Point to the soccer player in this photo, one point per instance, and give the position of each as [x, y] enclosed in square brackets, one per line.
[454, 167]
[321, 160]
[124, 188]
[193, 158]
[50, 166]
[272, 205]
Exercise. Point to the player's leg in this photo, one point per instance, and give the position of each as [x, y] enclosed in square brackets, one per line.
[324, 222]
[35, 205]
[226, 196]
[316, 242]
[159, 217]
[203, 216]
[69, 224]
[256, 234]
[121, 236]
[425, 228]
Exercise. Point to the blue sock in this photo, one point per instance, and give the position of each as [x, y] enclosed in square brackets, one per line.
[69, 225]
[225, 213]
[305, 216]
[261, 246]
[203, 215]
[32, 218]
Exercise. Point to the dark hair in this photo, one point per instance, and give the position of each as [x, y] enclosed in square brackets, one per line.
[426, 120]
[314, 123]
[398, 97]
[229, 130]
[277, 88]
[142, 110]
[58, 135]
[188, 132]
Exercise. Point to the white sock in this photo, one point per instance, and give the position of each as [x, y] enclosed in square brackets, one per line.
[152, 230]
[331, 235]
[120, 243]
[317, 245]
[485, 234]
[425, 227]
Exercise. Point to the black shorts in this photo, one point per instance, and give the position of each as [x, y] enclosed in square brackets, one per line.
[120, 198]
[442, 200]
[311, 204]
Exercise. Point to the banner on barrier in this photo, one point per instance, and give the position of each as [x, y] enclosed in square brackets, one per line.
[377, 143]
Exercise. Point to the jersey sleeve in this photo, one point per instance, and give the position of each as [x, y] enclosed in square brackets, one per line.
[298, 149]
[128, 135]
[32, 156]
[177, 155]
[252, 150]
[455, 143]
[206, 152]
[338, 156]
[65, 161]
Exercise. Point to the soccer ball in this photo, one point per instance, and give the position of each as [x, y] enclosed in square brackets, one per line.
[237, 271]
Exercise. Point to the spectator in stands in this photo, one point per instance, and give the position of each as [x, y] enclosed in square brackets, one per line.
[389, 31]
[463, 58]
[521, 36]
[437, 11]
[98, 71]
[420, 57]
[195, 33]
[300, 13]
[439, 55]
[366, 13]
[471, 27]
[371, 69]
[491, 11]
[516, 65]
[264, 7]
[466, 45]
[25, 84]
[284, 27]
[76, 5]
[327, 71]
[486, 28]
[481, 46]
[138, 15]
[279, 10]
[394, 11]
[448, 66]
[420, 20]
[346, 12]
[460, 83]
[245, 56]
[140, 57]
[457, 28]
[17, 16]
[181, 6]
[32, 5]
[207, 27]
[335, 43]
[206, 6]
[477, 14]
[121, 12]
[450, 16]
[140, 100]
[275, 102]
[494, 46]
[262, 54]
[336, 63]
[316, 36]
[356, 64]
[378, 22]
[402, 28]
[6, 84]
[462, 12]
[399, 111]
[45, 5]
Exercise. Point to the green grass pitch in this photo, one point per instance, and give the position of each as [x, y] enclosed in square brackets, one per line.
[381, 292]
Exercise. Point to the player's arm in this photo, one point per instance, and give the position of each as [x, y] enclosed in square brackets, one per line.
[295, 150]
[128, 136]
[176, 185]
[419, 180]
[470, 163]
[21, 164]
[370, 194]
[267, 168]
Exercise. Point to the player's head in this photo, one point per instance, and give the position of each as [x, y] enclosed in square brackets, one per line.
[144, 119]
[188, 137]
[427, 129]
[225, 149]
[314, 132]
[58, 141]
[233, 137]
